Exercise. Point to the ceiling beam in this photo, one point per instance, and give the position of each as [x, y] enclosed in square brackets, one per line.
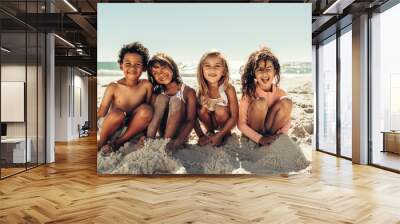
[81, 61]
[84, 24]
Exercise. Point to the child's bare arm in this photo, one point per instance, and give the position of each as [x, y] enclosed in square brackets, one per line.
[153, 99]
[188, 124]
[149, 92]
[233, 111]
[197, 128]
[203, 139]
[242, 121]
[106, 101]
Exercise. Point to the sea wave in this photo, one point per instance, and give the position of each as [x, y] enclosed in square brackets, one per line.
[109, 72]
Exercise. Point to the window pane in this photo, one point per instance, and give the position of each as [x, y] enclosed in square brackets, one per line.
[327, 96]
[385, 83]
[346, 94]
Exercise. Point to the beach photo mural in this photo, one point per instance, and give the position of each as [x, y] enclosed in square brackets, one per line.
[204, 89]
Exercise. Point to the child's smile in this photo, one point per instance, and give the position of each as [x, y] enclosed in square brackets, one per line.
[162, 73]
[132, 66]
[265, 73]
[213, 69]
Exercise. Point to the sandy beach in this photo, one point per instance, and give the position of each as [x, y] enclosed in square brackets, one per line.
[289, 153]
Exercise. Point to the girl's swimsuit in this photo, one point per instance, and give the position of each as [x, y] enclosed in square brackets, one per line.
[178, 94]
[211, 103]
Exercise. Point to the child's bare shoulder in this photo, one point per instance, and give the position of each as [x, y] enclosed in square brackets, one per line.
[189, 91]
[112, 86]
[230, 88]
[281, 92]
[146, 83]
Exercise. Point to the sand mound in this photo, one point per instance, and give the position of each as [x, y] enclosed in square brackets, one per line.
[282, 156]
[152, 158]
[238, 156]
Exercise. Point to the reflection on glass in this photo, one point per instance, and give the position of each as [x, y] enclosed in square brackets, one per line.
[346, 94]
[327, 97]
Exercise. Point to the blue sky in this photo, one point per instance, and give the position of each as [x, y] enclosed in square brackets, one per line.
[186, 31]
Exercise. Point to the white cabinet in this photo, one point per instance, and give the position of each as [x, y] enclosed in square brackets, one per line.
[18, 149]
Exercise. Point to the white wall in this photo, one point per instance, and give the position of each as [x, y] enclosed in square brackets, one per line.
[71, 94]
[61, 103]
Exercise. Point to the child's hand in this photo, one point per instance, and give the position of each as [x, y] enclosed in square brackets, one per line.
[268, 139]
[216, 139]
[203, 140]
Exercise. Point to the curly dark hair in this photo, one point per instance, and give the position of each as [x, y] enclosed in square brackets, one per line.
[248, 73]
[137, 48]
[164, 60]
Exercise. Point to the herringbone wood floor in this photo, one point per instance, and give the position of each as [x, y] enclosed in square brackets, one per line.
[70, 191]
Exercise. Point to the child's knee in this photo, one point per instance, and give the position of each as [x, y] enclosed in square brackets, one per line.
[145, 112]
[285, 104]
[221, 113]
[259, 105]
[116, 115]
[161, 100]
[283, 108]
[203, 111]
[175, 104]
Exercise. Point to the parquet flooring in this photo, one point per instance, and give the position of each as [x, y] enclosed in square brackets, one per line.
[70, 191]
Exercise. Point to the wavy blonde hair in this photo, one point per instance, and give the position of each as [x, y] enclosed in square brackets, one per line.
[203, 88]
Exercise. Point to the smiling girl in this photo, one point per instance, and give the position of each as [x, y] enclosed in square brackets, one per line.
[174, 102]
[218, 106]
[265, 109]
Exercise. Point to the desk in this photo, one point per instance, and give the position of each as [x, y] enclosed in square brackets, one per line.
[13, 150]
[391, 141]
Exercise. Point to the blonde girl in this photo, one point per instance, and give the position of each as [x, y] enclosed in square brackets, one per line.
[217, 100]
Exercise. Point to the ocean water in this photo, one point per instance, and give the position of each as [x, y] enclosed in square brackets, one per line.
[110, 72]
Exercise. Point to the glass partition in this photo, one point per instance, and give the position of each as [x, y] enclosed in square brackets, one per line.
[22, 64]
[327, 96]
[13, 103]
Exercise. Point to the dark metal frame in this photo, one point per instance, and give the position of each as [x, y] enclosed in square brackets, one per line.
[338, 97]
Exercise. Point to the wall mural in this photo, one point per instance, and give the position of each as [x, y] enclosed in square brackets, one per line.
[204, 89]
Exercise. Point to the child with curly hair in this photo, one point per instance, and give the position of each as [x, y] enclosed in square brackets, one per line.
[264, 109]
[125, 109]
